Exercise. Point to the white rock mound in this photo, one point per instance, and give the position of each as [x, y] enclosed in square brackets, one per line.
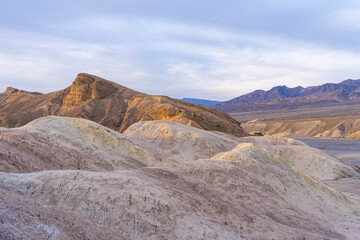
[68, 143]
[315, 162]
[246, 193]
[177, 142]
[24, 218]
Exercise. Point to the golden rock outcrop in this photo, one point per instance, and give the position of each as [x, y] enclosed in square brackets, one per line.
[111, 105]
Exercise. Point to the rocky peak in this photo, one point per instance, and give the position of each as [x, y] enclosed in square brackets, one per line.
[11, 90]
[17, 92]
[351, 82]
[86, 87]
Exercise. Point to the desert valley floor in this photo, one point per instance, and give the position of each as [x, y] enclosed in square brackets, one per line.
[346, 150]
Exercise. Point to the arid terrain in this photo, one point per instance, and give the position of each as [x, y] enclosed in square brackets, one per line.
[299, 113]
[325, 122]
[117, 164]
[180, 120]
[344, 149]
[347, 151]
[166, 180]
[109, 104]
[333, 129]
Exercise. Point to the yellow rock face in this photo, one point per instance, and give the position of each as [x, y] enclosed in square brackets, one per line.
[86, 88]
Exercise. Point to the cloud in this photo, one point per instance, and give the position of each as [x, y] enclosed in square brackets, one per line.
[234, 71]
[347, 18]
[44, 63]
[173, 58]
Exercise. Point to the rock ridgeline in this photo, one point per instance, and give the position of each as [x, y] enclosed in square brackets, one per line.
[109, 104]
[281, 97]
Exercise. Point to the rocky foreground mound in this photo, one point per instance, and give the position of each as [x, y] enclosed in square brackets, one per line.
[109, 104]
[246, 193]
[68, 143]
[166, 180]
[55, 143]
[24, 218]
[313, 161]
[176, 142]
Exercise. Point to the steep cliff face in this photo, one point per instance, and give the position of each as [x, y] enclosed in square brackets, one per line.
[109, 104]
[86, 87]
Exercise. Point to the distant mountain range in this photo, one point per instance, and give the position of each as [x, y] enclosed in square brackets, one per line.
[204, 102]
[281, 97]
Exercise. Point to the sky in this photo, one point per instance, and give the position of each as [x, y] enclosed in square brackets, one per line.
[205, 49]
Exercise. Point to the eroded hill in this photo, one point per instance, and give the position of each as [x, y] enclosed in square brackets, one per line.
[245, 193]
[109, 104]
[216, 185]
[175, 142]
[53, 143]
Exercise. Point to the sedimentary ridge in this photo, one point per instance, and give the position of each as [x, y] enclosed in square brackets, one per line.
[330, 127]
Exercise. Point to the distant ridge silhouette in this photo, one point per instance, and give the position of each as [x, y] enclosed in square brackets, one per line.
[281, 97]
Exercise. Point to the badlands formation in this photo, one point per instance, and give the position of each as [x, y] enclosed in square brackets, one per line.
[329, 127]
[70, 178]
[24, 218]
[179, 143]
[54, 143]
[109, 104]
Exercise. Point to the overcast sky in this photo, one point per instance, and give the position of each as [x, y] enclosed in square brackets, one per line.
[181, 48]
